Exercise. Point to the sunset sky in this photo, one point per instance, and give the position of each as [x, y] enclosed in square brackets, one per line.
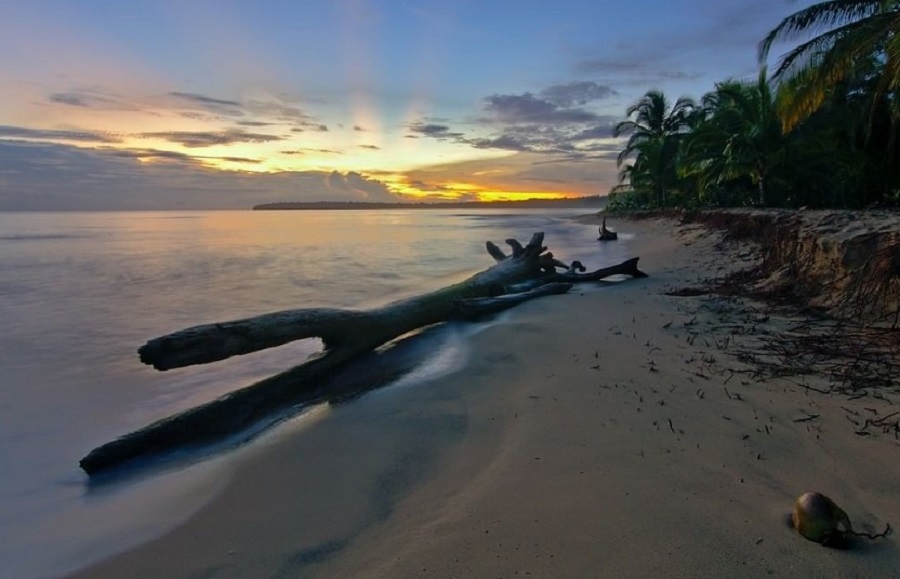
[109, 104]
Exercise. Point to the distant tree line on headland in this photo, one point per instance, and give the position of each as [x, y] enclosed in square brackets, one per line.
[822, 131]
[590, 202]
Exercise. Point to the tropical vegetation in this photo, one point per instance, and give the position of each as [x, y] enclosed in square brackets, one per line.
[822, 131]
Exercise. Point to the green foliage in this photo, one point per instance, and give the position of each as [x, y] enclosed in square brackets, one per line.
[625, 199]
[840, 38]
[738, 137]
[826, 136]
[655, 132]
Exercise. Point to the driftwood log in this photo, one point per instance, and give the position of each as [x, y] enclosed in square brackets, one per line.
[346, 334]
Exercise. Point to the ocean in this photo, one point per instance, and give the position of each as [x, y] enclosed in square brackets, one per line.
[80, 292]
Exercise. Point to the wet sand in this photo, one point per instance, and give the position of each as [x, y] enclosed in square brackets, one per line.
[604, 433]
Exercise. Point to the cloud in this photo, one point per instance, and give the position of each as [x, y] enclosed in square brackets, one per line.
[156, 154]
[531, 109]
[255, 123]
[246, 160]
[93, 98]
[525, 123]
[75, 99]
[184, 138]
[507, 142]
[600, 131]
[205, 100]
[149, 154]
[7, 132]
[433, 130]
[287, 113]
[634, 69]
[574, 142]
[307, 151]
[354, 186]
[557, 120]
[42, 176]
[208, 102]
[277, 110]
[270, 110]
[210, 138]
[426, 186]
[199, 116]
[302, 128]
[554, 105]
[576, 93]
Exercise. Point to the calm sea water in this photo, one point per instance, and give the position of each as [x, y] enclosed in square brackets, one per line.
[80, 292]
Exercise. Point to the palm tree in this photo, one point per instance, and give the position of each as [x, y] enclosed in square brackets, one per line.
[739, 138]
[845, 35]
[655, 130]
[862, 133]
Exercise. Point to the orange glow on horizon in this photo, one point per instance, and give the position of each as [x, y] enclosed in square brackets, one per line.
[455, 191]
[490, 196]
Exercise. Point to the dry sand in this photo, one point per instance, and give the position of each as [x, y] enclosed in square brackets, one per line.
[596, 434]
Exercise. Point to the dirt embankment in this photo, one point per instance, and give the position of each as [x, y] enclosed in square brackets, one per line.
[845, 263]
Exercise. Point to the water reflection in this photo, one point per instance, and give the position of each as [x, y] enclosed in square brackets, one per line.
[419, 356]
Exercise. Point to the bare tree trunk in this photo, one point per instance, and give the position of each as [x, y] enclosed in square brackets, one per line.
[607, 234]
[761, 185]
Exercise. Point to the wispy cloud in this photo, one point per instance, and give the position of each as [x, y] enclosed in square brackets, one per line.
[222, 106]
[79, 99]
[210, 138]
[302, 128]
[434, 130]
[254, 112]
[255, 123]
[634, 69]
[10, 132]
[577, 93]
[156, 154]
[308, 151]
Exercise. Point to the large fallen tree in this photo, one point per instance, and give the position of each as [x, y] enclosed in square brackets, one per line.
[346, 334]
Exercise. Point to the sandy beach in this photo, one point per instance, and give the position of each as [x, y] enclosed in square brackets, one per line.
[609, 432]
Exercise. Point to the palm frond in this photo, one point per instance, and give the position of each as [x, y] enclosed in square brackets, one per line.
[841, 46]
[817, 19]
[810, 71]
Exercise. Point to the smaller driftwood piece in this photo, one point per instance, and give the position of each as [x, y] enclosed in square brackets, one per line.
[607, 234]
[527, 273]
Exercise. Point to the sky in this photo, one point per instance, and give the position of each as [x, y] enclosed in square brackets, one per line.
[196, 104]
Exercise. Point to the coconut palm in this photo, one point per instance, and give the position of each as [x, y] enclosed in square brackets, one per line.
[844, 34]
[654, 131]
[739, 138]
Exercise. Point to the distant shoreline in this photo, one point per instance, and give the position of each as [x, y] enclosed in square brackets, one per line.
[579, 202]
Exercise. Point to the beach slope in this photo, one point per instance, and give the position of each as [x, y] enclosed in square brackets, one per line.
[611, 432]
